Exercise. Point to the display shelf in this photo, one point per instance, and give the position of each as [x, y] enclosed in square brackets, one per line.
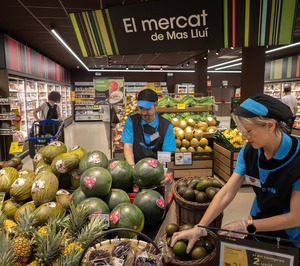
[187, 109]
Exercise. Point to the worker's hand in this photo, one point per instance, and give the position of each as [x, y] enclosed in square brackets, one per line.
[239, 226]
[38, 120]
[60, 119]
[192, 235]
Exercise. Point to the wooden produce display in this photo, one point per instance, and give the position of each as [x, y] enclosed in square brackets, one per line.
[224, 161]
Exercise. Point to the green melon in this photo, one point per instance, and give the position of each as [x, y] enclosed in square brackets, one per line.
[114, 160]
[44, 188]
[77, 196]
[92, 159]
[96, 182]
[127, 215]
[63, 197]
[36, 159]
[148, 173]
[94, 205]
[20, 212]
[116, 197]
[10, 207]
[75, 176]
[64, 163]
[151, 203]
[43, 166]
[78, 150]
[7, 177]
[46, 211]
[25, 171]
[51, 151]
[21, 188]
[122, 174]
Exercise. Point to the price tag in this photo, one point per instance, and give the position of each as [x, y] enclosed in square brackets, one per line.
[183, 158]
[163, 156]
[181, 106]
[16, 147]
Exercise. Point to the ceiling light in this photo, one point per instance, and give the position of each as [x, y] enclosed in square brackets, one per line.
[283, 47]
[144, 68]
[77, 67]
[182, 65]
[69, 49]
[208, 51]
[196, 61]
[205, 57]
[217, 52]
[188, 64]
[238, 64]
[161, 68]
[127, 68]
[164, 70]
[231, 47]
[225, 63]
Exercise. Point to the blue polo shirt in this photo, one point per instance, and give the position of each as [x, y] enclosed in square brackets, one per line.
[169, 141]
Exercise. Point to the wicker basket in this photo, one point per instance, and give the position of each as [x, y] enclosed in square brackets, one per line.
[207, 260]
[189, 212]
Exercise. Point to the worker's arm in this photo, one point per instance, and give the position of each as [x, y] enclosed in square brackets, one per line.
[295, 110]
[128, 152]
[35, 112]
[169, 141]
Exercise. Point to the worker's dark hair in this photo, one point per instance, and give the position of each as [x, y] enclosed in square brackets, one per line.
[54, 96]
[287, 89]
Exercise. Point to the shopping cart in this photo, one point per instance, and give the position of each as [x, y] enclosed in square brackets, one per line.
[42, 133]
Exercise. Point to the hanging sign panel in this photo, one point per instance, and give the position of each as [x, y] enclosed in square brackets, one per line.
[109, 91]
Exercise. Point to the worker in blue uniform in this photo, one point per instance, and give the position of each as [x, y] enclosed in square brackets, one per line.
[270, 162]
[148, 132]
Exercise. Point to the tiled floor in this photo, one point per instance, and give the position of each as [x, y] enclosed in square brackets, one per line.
[91, 136]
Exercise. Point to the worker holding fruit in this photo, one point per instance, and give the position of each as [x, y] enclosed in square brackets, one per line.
[270, 163]
[147, 132]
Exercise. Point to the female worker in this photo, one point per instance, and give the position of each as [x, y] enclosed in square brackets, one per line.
[271, 162]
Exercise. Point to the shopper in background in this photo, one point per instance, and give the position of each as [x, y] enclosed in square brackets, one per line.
[49, 110]
[270, 163]
[148, 132]
[109, 123]
[290, 100]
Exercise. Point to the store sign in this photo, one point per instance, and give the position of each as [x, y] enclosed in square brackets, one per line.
[183, 158]
[245, 252]
[163, 156]
[225, 83]
[16, 147]
[108, 91]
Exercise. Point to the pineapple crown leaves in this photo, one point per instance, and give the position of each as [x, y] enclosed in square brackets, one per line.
[91, 231]
[72, 259]
[25, 225]
[78, 218]
[49, 246]
[7, 256]
[60, 220]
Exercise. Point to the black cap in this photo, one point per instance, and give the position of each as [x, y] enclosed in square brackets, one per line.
[265, 106]
[148, 95]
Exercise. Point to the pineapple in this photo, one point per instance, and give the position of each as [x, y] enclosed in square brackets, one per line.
[43, 231]
[49, 246]
[34, 263]
[7, 256]
[22, 243]
[72, 259]
[9, 226]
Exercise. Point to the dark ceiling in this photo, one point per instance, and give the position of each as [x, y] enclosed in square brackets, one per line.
[29, 21]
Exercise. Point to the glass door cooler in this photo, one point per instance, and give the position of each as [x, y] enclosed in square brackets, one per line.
[31, 92]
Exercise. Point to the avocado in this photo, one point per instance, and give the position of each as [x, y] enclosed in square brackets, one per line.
[196, 192]
[204, 184]
[201, 197]
[186, 227]
[216, 183]
[171, 229]
[189, 194]
[211, 192]
[10, 163]
[181, 183]
[198, 253]
[200, 243]
[209, 246]
[193, 184]
[181, 190]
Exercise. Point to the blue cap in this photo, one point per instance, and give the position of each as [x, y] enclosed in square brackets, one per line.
[145, 104]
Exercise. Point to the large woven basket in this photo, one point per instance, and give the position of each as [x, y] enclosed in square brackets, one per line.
[189, 212]
[207, 260]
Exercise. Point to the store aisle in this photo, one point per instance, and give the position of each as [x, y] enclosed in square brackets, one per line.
[89, 135]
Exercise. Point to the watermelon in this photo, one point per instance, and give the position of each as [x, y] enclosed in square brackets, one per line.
[148, 173]
[94, 205]
[114, 160]
[77, 196]
[151, 204]
[95, 182]
[92, 159]
[122, 174]
[116, 197]
[127, 215]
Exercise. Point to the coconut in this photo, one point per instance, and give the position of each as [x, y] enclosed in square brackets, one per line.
[63, 197]
[7, 177]
[20, 212]
[207, 149]
[44, 188]
[198, 134]
[211, 129]
[21, 188]
[46, 211]
[10, 208]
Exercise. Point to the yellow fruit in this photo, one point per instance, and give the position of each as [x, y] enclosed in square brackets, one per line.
[198, 134]
[176, 129]
[204, 129]
[203, 142]
[194, 143]
[177, 150]
[71, 247]
[188, 129]
[183, 124]
[211, 121]
[200, 149]
[188, 135]
[191, 122]
[34, 263]
[207, 149]
[175, 122]
[9, 225]
[211, 129]
[22, 247]
[183, 149]
[185, 143]
[43, 231]
[178, 143]
[191, 149]
[202, 124]
[180, 134]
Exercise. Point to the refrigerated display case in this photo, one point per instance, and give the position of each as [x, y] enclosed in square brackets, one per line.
[69, 101]
[42, 93]
[273, 89]
[31, 101]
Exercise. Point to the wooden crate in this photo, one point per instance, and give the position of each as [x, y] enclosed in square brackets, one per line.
[202, 166]
[224, 161]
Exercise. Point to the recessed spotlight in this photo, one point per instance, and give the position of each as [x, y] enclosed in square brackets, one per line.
[182, 65]
[161, 68]
[205, 57]
[231, 47]
[77, 67]
[196, 61]
[208, 51]
[127, 68]
[188, 64]
[144, 68]
[217, 52]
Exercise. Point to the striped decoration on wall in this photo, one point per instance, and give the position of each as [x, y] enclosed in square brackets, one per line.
[95, 33]
[284, 68]
[258, 22]
[25, 60]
